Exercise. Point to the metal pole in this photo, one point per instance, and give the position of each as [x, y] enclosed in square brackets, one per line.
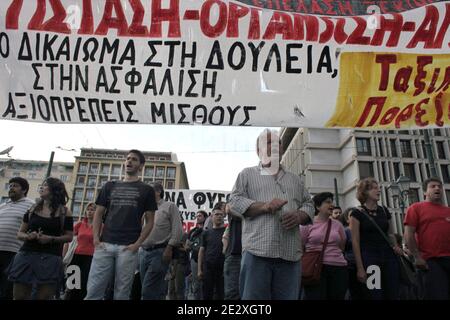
[430, 153]
[336, 193]
[50, 164]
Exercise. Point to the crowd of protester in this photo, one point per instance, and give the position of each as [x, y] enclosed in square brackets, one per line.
[130, 243]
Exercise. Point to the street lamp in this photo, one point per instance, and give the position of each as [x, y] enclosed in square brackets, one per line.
[400, 190]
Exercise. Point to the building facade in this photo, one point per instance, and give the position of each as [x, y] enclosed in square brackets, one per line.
[94, 167]
[34, 172]
[322, 155]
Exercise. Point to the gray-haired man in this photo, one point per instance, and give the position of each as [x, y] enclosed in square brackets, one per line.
[273, 203]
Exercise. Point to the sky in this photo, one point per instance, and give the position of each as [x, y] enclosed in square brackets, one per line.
[213, 156]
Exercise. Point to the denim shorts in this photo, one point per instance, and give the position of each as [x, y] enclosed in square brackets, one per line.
[35, 268]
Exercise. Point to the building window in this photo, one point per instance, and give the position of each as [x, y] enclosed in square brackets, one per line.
[76, 209]
[64, 178]
[89, 195]
[393, 148]
[428, 174]
[365, 169]
[440, 149]
[437, 132]
[409, 171]
[413, 196]
[447, 193]
[104, 169]
[171, 172]
[149, 171]
[396, 166]
[424, 150]
[82, 167]
[78, 194]
[31, 175]
[116, 168]
[383, 170]
[93, 168]
[445, 175]
[403, 132]
[405, 147]
[380, 146]
[7, 186]
[92, 181]
[170, 184]
[160, 172]
[81, 180]
[363, 146]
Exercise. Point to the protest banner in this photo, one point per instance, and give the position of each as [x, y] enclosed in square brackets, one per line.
[313, 63]
[189, 202]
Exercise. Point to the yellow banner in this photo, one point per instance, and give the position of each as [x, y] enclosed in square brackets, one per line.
[392, 90]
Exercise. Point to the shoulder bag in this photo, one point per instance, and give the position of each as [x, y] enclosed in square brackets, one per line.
[312, 262]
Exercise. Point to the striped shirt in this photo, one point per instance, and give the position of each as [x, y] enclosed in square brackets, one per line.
[263, 235]
[11, 215]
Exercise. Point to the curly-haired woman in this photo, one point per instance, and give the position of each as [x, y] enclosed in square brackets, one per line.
[44, 230]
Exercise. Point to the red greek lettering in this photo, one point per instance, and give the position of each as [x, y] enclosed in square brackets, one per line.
[12, 14]
[87, 18]
[420, 113]
[357, 36]
[402, 78]
[389, 116]
[280, 23]
[427, 30]
[108, 22]
[393, 26]
[385, 60]
[171, 15]
[236, 12]
[377, 102]
[404, 115]
[208, 29]
[422, 61]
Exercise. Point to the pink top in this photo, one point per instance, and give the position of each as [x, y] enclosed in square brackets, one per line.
[314, 235]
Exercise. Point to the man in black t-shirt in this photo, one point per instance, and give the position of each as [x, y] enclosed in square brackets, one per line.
[211, 258]
[122, 204]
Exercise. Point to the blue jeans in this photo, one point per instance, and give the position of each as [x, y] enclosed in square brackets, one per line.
[268, 278]
[386, 259]
[231, 271]
[109, 259]
[153, 270]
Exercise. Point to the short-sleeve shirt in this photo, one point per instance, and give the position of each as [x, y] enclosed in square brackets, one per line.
[313, 237]
[50, 226]
[11, 216]
[369, 235]
[125, 203]
[432, 223]
[212, 242]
